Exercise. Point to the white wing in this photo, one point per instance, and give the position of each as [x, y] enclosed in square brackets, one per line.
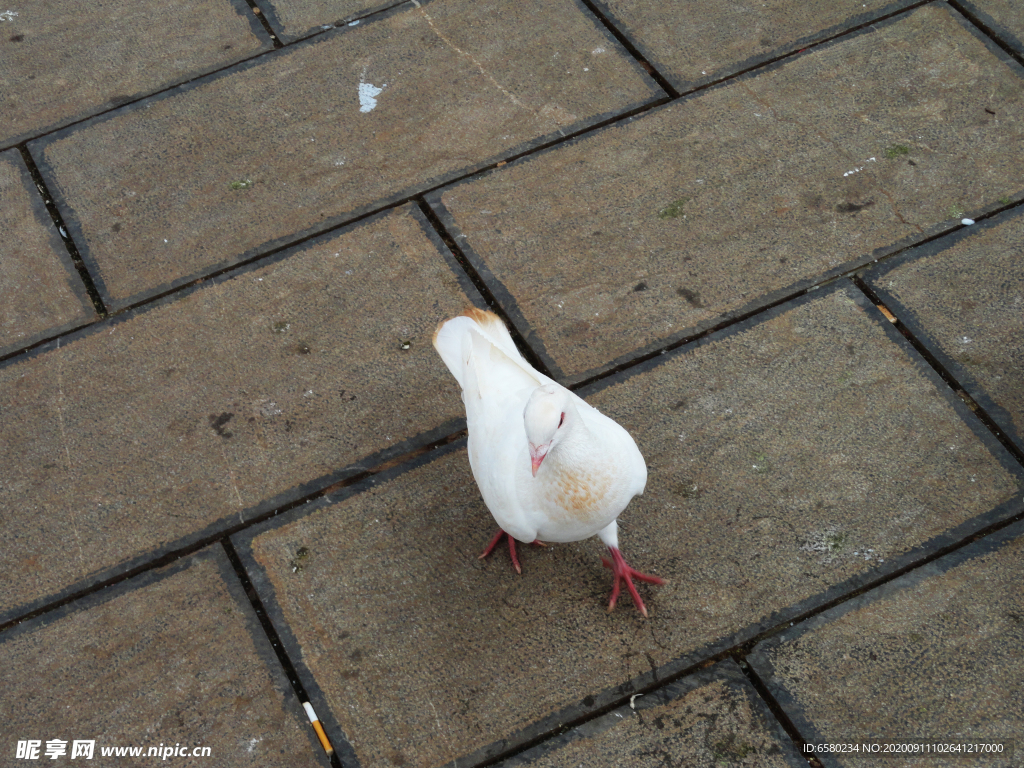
[496, 382]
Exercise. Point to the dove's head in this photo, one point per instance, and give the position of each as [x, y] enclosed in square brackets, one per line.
[548, 416]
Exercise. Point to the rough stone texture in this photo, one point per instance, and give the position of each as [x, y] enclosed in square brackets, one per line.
[383, 594]
[121, 668]
[800, 458]
[41, 294]
[692, 46]
[707, 720]
[964, 297]
[196, 414]
[739, 432]
[936, 654]
[1003, 17]
[650, 230]
[296, 18]
[63, 61]
[244, 160]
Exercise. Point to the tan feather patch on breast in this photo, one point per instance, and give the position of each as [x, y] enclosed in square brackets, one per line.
[581, 494]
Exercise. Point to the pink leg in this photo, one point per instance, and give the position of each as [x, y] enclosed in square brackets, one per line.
[511, 548]
[493, 544]
[623, 572]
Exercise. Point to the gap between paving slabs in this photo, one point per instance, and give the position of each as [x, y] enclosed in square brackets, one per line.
[990, 414]
[301, 19]
[713, 715]
[376, 605]
[962, 297]
[725, 39]
[41, 294]
[999, 20]
[62, 230]
[262, 19]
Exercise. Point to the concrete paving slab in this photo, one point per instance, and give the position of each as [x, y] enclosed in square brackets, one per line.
[692, 48]
[1002, 18]
[963, 297]
[314, 134]
[151, 431]
[934, 655]
[63, 62]
[378, 593]
[41, 293]
[298, 18]
[703, 210]
[121, 668]
[709, 719]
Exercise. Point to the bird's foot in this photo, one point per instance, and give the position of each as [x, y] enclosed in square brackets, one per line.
[624, 572]
[511, 548]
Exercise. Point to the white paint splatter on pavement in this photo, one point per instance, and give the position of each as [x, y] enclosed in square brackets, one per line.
[368, 94]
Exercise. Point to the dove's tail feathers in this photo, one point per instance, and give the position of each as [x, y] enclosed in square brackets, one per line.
[495, 331]
[451, 337]
[448, 341]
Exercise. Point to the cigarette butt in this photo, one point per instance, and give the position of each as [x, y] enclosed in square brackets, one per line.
[315, 722]
[888, 315]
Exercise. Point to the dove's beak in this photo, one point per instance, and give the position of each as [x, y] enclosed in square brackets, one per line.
[537, 454]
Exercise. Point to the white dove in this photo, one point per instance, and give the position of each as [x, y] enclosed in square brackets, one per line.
[550, 467]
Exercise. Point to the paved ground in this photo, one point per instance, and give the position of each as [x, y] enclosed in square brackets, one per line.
[780, 242]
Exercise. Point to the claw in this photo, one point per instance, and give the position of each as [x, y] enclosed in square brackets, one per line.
[624, 572]
[511, 548]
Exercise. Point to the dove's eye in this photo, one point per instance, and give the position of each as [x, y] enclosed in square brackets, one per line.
[561, 420]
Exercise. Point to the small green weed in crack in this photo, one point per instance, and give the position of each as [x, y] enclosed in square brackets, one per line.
[730, 750]
[828, 544]
[760, 464]
[301, 556]
[835, 541]
[687, 489]
[674, 209]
